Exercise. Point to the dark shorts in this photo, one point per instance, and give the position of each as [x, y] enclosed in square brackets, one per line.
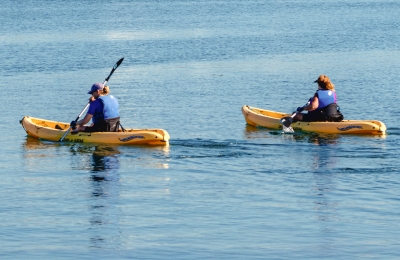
[97, 127]
[314, 116]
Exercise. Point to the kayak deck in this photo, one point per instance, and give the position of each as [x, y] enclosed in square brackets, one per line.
[271, 119]
[53, 131]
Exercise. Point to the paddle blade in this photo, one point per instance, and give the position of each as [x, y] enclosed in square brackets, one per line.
[287, 121]
[287, 130]
[113, 69]
[118, 63]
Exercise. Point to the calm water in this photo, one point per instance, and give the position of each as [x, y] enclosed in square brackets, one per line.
[221, 190]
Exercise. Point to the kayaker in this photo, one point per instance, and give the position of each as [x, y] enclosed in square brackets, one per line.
[322, 106]
[103, 111]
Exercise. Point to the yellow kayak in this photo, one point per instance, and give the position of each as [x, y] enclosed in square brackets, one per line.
[53, 131]
[271, 119]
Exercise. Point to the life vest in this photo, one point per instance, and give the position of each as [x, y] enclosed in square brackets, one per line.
[110, 106]
[325, 98]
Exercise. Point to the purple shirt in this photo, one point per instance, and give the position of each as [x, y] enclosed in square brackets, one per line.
[96, 109]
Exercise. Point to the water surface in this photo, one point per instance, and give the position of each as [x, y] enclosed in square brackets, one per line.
[221, 190]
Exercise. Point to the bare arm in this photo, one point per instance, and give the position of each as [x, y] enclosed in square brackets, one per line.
[85, 120]
[313, 105]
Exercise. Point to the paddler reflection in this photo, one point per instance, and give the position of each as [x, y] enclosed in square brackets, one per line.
[103, 164]
[101, 197]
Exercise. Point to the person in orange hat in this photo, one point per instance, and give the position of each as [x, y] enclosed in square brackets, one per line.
[323, 105]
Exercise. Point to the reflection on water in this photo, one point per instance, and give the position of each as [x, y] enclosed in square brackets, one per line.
[99, 167]
[321, 160]
[93, 157]
[317, 138]
[101, 162]
[319, 157]
[253, 132]
[39, 155]
[103, 165]
[33, 143]
[259, 132]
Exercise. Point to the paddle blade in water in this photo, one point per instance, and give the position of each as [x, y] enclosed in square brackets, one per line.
[287, 130]
[286, 121]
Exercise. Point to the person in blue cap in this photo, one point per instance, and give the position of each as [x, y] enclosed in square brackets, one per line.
[102, 109]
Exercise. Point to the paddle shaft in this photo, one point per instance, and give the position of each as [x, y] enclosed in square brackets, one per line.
[87, 105]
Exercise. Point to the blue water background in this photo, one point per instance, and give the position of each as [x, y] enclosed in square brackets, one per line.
[221, 190]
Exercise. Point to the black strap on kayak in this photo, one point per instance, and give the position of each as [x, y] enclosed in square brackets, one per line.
[122, 128]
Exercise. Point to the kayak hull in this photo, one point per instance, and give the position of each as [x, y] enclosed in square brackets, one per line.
[53, 131]
[271, 119]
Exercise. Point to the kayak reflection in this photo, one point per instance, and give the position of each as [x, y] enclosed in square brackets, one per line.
[253, 132]
[96, 158]
[97, 168]
[318, 139]
[101, 160]
[95, 172]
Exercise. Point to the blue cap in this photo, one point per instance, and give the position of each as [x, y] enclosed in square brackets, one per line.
[96, 86]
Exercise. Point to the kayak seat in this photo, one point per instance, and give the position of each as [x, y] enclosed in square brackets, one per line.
[112, 124]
